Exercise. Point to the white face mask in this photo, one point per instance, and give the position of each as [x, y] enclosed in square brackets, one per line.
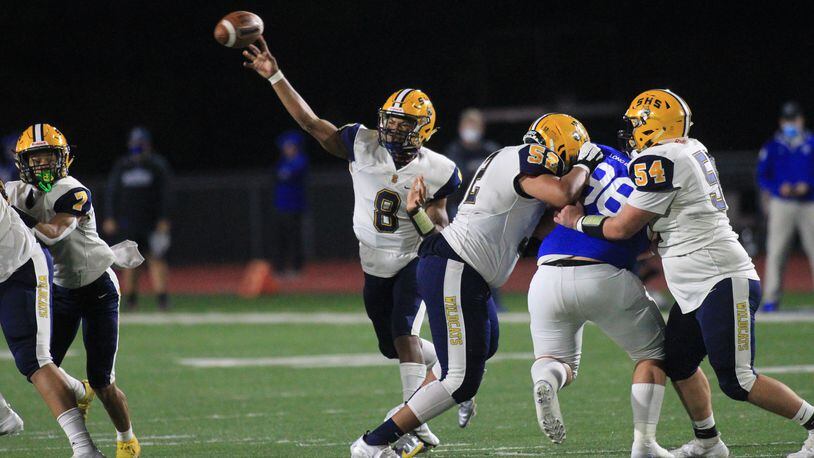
[470, 135]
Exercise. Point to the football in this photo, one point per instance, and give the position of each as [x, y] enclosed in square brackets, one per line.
[238, 29]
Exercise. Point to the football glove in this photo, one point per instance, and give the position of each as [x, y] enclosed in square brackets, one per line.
[589, 156]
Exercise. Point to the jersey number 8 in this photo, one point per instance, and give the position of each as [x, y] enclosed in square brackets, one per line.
[386, 207]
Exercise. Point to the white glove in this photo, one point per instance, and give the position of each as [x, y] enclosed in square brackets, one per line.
[589, 156]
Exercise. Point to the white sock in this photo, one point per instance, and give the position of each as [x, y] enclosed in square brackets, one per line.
[551, 371]
[76, 386]
[126, 435]
[646, 400]
[706, 423]
[804, 414]
[73, 424]
[412, 376]
[428, 351]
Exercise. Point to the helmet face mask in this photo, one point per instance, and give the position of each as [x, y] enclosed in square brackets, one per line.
[399, 135]
[42, 166]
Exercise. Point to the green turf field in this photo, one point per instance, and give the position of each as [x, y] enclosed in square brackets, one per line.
[308, 411]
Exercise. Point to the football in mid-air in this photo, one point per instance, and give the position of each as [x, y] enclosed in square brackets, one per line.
[238, 29]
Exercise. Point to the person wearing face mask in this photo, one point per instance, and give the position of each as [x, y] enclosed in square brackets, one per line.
[468, 151]
[138, 201]
[785, 174]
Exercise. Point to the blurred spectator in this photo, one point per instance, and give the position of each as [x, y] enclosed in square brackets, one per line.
[138, 203]
[785, 174]
[290, 172]
[468, 151]
[8, 169]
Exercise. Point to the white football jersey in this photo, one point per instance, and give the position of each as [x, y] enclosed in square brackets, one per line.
[496, 218]
[17, 243]
[387, 239]
[81, 257]
[678, 180]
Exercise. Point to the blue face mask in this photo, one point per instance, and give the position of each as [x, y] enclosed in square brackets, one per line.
[136, 150]
[789, 130]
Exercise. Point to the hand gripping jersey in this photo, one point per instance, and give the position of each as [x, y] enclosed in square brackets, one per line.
[496, 218]
[606, 193]
[81, 257]
[387, 239]
[17, 243]
[678, 180]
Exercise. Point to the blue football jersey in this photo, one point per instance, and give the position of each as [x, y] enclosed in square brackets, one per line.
[606, 193]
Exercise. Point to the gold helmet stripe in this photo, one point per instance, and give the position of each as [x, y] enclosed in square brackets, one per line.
[400, 98]
[37, 132]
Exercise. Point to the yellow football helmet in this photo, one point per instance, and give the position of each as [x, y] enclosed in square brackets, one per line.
[560, 133]
[654, 116]
[38, 140]
[403, 138]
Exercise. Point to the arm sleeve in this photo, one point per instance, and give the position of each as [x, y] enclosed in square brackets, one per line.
[77, 201]
[348, 135]
[537, 160]
[450, 186]
[654, 178]
[765, 170]
[112, 191]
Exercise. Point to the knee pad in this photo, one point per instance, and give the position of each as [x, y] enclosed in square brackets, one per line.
[679, 370]
[733, 387]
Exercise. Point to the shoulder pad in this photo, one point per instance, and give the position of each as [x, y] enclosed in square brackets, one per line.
[76, 201]
[652, 173]
[538, 160]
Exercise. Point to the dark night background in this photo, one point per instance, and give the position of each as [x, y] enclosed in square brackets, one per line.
[94, 69]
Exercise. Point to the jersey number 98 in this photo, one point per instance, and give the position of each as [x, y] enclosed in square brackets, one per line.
[386, 207]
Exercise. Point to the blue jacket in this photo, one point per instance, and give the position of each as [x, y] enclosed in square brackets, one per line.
[782, 162]
[289, 189]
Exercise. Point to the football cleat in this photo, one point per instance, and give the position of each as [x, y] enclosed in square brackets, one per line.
[808, 448]
[649, 450]
[423, 432]
[549, 416]
[128, 449]
[466, 411]
[361, 449]
[409, 445]
[695, 448]
[11, 424]
[83, 404]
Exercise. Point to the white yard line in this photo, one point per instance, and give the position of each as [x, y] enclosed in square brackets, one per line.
[348, 318]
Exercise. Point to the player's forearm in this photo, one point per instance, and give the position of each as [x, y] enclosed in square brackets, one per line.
[572, 183]
[50, 234]
[323, 131]
[615, 229]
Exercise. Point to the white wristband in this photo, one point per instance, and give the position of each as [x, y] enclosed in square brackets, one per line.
[583, 166]
[275, 78]
[578, 225]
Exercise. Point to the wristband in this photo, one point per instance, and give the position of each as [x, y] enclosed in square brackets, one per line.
[28, 220]
[583, 166]
[422, 222]
[592, 225]
[276, 77]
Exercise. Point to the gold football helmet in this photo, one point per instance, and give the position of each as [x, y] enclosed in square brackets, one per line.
[406, 121]
[43, 156]
[560, 133]
[654, 116]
